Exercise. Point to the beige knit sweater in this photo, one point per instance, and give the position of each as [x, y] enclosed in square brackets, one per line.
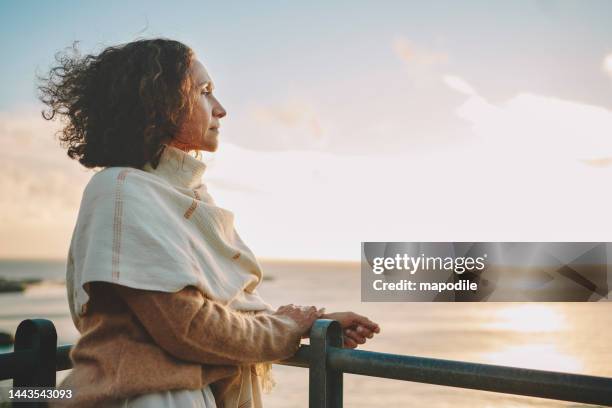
[136, 341]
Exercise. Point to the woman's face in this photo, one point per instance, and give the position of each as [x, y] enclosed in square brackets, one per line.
[201, 130]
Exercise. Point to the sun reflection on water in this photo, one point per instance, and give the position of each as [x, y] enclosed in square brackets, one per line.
[545, 325]
[537, 356]
[529, 319]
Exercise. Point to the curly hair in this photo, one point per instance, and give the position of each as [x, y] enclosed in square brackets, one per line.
[121, 106]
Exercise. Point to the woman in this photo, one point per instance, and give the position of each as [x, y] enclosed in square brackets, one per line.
[160, 285]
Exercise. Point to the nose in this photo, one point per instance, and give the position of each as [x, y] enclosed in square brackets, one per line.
[218, 110]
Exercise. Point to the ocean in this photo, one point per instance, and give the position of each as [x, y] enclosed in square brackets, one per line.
[569, 337]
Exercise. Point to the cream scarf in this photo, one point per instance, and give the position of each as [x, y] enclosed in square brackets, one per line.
[159, 229]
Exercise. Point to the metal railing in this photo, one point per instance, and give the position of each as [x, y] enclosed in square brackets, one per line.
[37, 358]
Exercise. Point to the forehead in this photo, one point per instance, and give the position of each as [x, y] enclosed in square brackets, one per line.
[199, 73]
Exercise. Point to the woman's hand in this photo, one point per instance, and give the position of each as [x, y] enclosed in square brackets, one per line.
[356, 327]
[304, 316]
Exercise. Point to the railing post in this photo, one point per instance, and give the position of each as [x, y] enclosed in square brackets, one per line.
[39, 337]
[325, 388]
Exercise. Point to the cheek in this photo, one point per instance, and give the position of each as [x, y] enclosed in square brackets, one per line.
[204, 111]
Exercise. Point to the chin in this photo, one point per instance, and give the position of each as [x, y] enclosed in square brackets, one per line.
[210, 148]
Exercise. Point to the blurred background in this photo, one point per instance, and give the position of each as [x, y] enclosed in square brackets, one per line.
[349, 122]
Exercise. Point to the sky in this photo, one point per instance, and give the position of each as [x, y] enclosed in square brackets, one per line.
[347, 121]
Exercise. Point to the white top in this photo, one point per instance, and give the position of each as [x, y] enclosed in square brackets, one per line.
[203, 398]
[159, 229]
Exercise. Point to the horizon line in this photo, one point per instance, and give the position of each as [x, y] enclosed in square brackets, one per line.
[260, 259]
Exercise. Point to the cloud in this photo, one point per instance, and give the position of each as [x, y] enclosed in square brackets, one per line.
[41, 187]
[322, 205]
[540, 126]
[386, 110]
[607, 64]
[520, 178]
[232, 185]
[459, 85]
[294, 124]
[293, 115]
[413, 55]
[602, 162]
[421, 64]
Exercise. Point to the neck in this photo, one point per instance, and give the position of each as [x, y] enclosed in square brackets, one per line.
[178, 167]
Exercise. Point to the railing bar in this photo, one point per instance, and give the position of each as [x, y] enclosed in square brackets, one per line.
[325, 389]
[300, 359]
[63, 358]
[16, 362]
[509, 380]
[485, 377]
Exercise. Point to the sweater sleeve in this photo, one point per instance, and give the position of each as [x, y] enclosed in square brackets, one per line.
[194, 328]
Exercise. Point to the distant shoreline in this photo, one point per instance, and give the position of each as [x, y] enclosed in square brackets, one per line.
[17, 274]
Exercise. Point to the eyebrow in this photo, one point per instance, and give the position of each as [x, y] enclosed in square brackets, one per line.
[209, 83]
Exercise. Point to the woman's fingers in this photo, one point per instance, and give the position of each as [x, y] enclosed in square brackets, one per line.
[357, 328]
[304, 316]
[367, 323]
[349, 343]
[353, 335]
[309, 310]
[364, 331]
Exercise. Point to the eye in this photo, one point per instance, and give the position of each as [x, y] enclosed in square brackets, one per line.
[206, 89]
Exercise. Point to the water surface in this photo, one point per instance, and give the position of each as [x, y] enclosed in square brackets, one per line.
[570, 337]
